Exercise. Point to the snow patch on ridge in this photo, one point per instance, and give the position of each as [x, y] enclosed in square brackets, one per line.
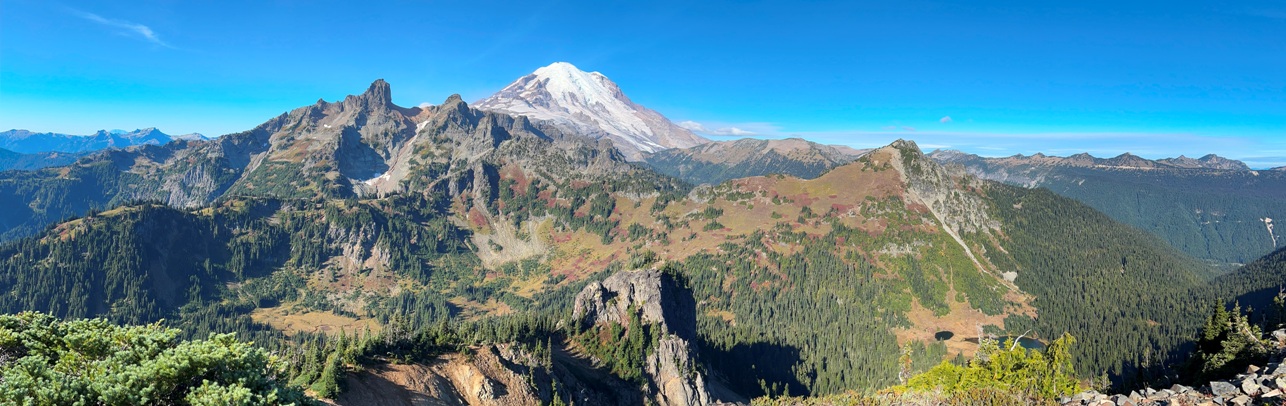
[1268, 222]
[377, 179]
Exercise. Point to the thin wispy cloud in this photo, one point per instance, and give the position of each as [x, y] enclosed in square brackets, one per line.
[945, 119]
[733, 131]
[124, 27]
[726, 130]
[692, 126]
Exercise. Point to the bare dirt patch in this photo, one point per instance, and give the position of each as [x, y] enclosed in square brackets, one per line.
[281, 318]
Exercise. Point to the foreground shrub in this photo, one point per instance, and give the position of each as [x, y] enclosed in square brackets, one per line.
[47, 361]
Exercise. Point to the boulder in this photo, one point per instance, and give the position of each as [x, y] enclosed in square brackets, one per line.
[1279, 335]
[1249, 387]
[1240, 400]
[1122, 400]
[1224, 389]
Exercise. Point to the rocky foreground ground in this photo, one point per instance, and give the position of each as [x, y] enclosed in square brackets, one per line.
[1264, 385]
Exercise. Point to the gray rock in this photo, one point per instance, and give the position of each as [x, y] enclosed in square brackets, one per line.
[1252, 369]
[1249, 387]
[1272, 394]
[1122, 400]
[1280, 382]
[657, 296]
[1279, 369]
[677, 380]
[1223, 389]
[1136, 396]
[487, 390]
[1241, 400]
[1279, 335]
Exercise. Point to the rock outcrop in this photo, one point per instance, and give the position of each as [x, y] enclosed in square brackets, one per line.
[1257, 386]
[662, 301]
[508, 374]
[659, 297]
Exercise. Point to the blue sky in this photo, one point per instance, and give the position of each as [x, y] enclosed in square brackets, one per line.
[996, 78]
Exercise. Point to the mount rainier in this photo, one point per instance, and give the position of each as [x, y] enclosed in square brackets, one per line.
[589, 103]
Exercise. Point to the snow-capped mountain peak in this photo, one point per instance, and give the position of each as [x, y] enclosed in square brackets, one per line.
[589, 103]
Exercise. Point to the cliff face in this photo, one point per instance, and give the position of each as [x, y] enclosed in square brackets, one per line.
[658, 297]
[662, 301]
[489, 375]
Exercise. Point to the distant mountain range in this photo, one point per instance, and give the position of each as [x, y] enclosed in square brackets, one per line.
[589, 103]
[27, 142]
[1085, 160]
[719, 161]
[14, 160]
[1212, 208]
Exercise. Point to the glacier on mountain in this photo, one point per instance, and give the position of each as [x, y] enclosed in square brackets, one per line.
[589, 103]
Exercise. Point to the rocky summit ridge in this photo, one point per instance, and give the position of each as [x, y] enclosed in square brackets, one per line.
[719, 161]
